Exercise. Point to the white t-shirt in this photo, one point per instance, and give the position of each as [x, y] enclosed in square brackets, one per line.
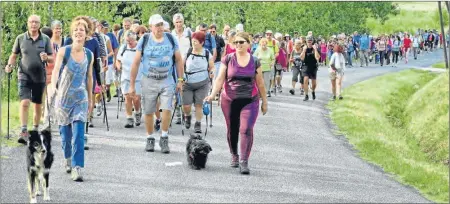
[127, 60]
[183, 41]
[339, 61]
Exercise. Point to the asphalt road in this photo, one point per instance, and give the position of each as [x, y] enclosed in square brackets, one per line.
[295, 158]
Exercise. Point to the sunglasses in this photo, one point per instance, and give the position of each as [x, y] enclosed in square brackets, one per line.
[239, 42]
[212, 31]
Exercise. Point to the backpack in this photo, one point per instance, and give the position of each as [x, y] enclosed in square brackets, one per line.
[172, 42]
[189, 53]
[66, 58]
[125, 49]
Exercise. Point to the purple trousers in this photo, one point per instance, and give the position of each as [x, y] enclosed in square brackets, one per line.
[240, 116]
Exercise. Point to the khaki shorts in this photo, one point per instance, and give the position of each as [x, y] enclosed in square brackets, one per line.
[336, 74]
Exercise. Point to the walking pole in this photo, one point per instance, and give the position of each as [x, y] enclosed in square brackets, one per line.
[9, 87]
[105, 117]
[118, 99]
[174, 110]
[210, 116]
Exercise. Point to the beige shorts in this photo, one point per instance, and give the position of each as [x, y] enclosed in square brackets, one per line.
[336, 74]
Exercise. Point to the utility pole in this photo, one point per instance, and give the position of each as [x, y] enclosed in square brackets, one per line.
[443, 34]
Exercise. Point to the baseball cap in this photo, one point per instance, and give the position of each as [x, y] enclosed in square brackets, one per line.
[155, 19]
[309, 38]
[104, 24]
[269, 31]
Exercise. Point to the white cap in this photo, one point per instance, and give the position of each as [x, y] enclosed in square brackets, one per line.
[166, 25]
[269, 31]
[155, 19]
[240, 27]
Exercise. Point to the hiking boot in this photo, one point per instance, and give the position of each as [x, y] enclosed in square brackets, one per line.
[314, 95]
[150, 146]
[157, 125]
[198, 127]
[187, 121]
[306, 98]
[164, 144]
[292, 91]
[268, 94]
[99, 109]
[117, 91]
[138, 119]
[334, 98]
[244, 167]
[23, 137]
[108, 95]
[234, 161]
[68, 165]
[129, 123]
[340, 97]
[76, 174]
[86, 147]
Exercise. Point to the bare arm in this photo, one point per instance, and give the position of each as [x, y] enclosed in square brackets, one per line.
[214, 52]
[211, 67]
[57, 67]
[219, 80]
[260, 85]
[179, 63]
[316, 54]
[12, 59]
[135, 68]
[90, 80]
[302, 56]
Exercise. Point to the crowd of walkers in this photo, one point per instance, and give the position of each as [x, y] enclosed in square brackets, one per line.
[156, 70]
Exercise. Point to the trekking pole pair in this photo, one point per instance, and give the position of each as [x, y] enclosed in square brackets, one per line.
[105, 117]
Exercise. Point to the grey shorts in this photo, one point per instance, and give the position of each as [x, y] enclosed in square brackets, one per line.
[125, 86]
[296, 73]
[194, 93]
[154, 89]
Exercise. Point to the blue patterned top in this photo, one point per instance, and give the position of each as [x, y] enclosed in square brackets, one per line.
[72, 96]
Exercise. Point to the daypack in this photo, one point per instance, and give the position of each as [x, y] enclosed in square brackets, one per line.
[172, 42]
[66, 59]
[125, 49]
[189, 53]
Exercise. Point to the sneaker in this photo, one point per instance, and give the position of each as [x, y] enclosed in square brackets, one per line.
[187, 121]
[164, 144]
[302, 92]
[150, 146]
[129, 123]
[115, 95]
[23, 137]
[157, 125]
[86, 147]
[280, 90]
[68, 165]
[268, 94]
[244, 167]
[292, 91]
[138, 119]
[340, 97]
[306, 98]
[334, 98]
[314, 95]
[234, 161]
[178, 121]
[76, 174]
[91, 124]
[198, 127]
[99, 109]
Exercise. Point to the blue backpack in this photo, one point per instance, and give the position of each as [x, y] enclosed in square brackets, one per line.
[66, 58]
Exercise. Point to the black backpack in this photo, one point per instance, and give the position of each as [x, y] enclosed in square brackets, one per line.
[189, 53]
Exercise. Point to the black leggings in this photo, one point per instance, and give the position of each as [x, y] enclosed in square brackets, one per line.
[395, 56]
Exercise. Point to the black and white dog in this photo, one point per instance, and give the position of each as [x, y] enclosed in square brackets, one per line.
[39, 162]
[197, 150]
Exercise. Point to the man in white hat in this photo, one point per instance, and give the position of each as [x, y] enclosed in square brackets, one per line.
[159, 54]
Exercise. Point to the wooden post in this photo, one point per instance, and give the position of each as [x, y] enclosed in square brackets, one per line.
[443, 33]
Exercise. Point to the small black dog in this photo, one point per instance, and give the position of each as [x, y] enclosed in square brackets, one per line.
[197, 150]
[39, 162]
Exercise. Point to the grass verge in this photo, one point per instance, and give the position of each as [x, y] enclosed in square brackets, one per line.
[14, 122]
[381, 116]
[440, 65]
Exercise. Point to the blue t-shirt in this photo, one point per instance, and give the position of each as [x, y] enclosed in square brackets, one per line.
[158, 58]
[210, 42]
[114, 45]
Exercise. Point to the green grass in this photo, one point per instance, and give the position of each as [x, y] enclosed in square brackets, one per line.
[14, 126]
[413, 15]
[439, 65]
[400, 122]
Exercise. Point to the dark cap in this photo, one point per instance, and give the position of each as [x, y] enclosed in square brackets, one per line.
[309, 38]
[104, 24]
